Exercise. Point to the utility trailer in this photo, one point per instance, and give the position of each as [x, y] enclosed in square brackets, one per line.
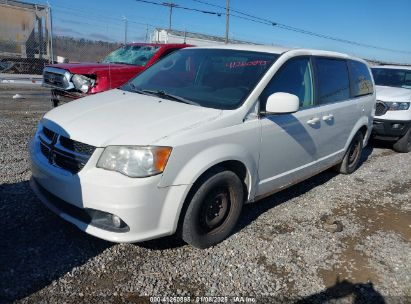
[25, 37]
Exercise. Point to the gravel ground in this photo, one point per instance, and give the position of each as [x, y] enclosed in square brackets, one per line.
[330, 238]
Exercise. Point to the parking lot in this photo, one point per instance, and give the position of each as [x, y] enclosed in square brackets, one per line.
[330, 237]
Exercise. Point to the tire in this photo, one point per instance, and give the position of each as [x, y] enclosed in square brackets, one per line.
[55, 103]
[353, 155]
[403, 145]
[213, 209]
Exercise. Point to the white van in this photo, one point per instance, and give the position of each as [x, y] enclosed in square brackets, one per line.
[181, 148]
[393, 112]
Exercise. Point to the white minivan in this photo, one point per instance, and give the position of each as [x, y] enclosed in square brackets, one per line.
[181, 147]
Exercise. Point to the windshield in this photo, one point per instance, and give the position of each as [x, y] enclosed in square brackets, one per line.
[392, 77]
[215, 78]
[132, 54]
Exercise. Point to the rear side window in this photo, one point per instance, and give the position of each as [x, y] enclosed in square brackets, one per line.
[294, 77]
[361, 81]
[332, 79]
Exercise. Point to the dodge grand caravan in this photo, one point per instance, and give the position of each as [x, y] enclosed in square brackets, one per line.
[181, 147]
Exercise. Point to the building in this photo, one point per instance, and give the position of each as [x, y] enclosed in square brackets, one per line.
[172, 36]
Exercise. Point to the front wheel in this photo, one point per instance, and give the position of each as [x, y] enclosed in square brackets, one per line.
[213, 210]
[54, 103]
[403, 145]
[353, 155]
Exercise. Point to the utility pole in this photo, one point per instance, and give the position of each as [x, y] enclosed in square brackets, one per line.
[125, 29]
[170, 5]
[50, 33]
[146, 33]
[227, 21]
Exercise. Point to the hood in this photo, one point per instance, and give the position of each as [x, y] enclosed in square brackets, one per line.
[117, 117]
[393, 94]
[93, 68]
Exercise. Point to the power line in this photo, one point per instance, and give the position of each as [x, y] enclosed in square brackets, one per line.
[172, 5]
[265, 21]
[168, 4]
[100, 17]
[98, 22]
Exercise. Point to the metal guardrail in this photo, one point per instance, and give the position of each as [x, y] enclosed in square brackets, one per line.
[21, 79]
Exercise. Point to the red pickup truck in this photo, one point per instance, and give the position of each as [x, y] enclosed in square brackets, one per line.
[70, 81]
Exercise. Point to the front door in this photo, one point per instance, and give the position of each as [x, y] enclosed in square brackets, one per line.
[289, 142]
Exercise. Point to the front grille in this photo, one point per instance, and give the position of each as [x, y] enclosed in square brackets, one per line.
[68, 163]
[76, 146]
[64, 152]
[380, 108]
[54, 79]
[44, 150]
[48, 133]
[57, 78]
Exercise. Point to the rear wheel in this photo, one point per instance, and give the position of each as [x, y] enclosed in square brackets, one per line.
[213, 210]
[403, 145]
[353, 155]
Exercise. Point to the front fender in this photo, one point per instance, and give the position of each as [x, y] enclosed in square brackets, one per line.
[185, 170]
[102, 84]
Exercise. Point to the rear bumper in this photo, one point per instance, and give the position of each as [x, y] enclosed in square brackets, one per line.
[390, 129]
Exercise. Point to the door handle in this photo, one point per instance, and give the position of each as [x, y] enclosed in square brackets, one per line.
[313, 121]
[328, 117]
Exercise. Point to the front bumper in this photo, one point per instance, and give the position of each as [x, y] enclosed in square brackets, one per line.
[65, 96]
[148, 210]
[389, 129]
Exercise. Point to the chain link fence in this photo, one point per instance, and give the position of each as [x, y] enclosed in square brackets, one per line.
[27, 42]
[25, 37]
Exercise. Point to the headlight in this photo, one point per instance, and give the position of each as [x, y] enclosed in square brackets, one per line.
[397, 106]
[135, 161]
[82, 83]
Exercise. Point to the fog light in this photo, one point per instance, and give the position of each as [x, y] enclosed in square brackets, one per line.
[116, 221]
[396, 126]
[107, 221]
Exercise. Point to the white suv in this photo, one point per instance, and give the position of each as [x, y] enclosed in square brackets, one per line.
[185, 144]
[393, 112]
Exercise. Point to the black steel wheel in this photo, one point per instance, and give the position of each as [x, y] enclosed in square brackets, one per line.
[213, 209]
[353, 155]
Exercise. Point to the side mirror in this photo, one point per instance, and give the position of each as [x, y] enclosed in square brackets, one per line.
[282, 103]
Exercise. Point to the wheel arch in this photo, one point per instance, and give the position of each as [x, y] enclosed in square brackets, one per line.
[364, 126]
[189, 170]
[236, 166]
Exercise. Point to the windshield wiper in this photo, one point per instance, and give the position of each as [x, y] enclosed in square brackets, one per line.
[134, 89]
[161, 94]
[166, 95]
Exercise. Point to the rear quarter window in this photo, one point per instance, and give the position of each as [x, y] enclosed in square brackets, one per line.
[361, 81]
[332, 80]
